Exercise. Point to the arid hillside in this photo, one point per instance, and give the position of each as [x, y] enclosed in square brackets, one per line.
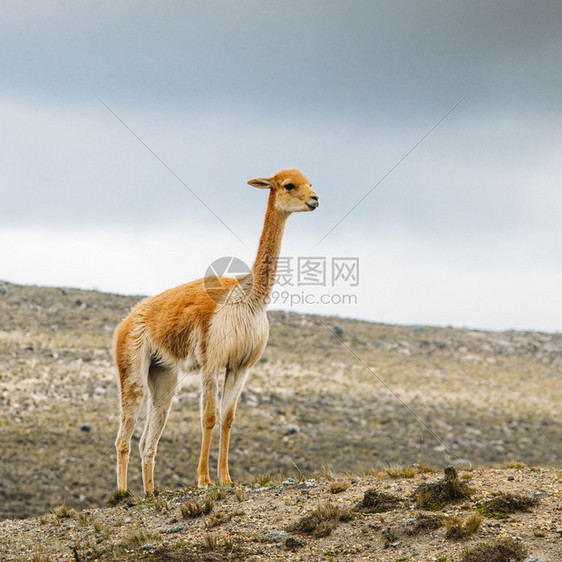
[402, 513]
[329, 394]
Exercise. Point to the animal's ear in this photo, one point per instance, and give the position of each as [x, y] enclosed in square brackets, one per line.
[262, 183]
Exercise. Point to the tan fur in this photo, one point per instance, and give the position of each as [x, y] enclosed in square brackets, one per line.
[212, 325]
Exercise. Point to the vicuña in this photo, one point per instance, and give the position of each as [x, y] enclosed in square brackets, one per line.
[213, 325]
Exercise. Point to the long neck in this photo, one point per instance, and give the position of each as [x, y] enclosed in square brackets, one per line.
[265, 266]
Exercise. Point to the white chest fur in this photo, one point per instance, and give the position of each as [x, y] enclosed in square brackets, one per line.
[237, 336]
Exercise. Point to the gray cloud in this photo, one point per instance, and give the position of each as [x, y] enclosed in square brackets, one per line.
[357, 59]
[222, 90]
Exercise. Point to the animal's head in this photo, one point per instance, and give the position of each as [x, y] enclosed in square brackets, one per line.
[291, 191]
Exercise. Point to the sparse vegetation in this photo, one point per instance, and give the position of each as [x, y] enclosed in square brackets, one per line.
[139, 537]
[435, 495]
[384, 523]
[378, 502]
[219, 518]
[424, 468]
[217, 494]
[514, 464]
[456, 528]
[504, 503]
[120, 496]
[191, 508]
[322, 521]
[426, 522]
[401, 472]
[159, 504]
[100, 529]
[267, 480]
[64, 512]
[336, 487]
[213, 542]
[500, 550]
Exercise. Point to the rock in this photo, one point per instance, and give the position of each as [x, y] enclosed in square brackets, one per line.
[337, 331]
[290, 429]
[86, 428]
[176, 529]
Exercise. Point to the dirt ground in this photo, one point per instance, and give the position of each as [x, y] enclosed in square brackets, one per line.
[264, 521]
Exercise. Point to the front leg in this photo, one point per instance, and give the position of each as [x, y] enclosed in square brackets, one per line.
[208, 420]
[233, 384]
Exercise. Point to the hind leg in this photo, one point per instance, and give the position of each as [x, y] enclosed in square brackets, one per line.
[132, 393]
[162, 383]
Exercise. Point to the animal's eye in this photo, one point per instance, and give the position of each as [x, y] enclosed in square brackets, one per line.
[289, 186]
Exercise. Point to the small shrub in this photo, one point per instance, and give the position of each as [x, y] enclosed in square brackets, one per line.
[64, 512]
[454, 528]
[337, 487]
[190, 509]
[457, 529]
[378, 502]
[504, 503]
[139, 537]
[99, 528]
[265, 480]
[426, 522]
[84, 518]
[327, 474]
[218, 519]
[322, 521]
[240, 494]
[214, 542]
[472, 524]
[211, 542]
[401, 472]
[500, 550]
[435, 495]
[514, 464]
[44, 519]
[160, 504]
[120, 496]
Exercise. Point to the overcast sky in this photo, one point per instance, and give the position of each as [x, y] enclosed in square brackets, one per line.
[129, 129]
